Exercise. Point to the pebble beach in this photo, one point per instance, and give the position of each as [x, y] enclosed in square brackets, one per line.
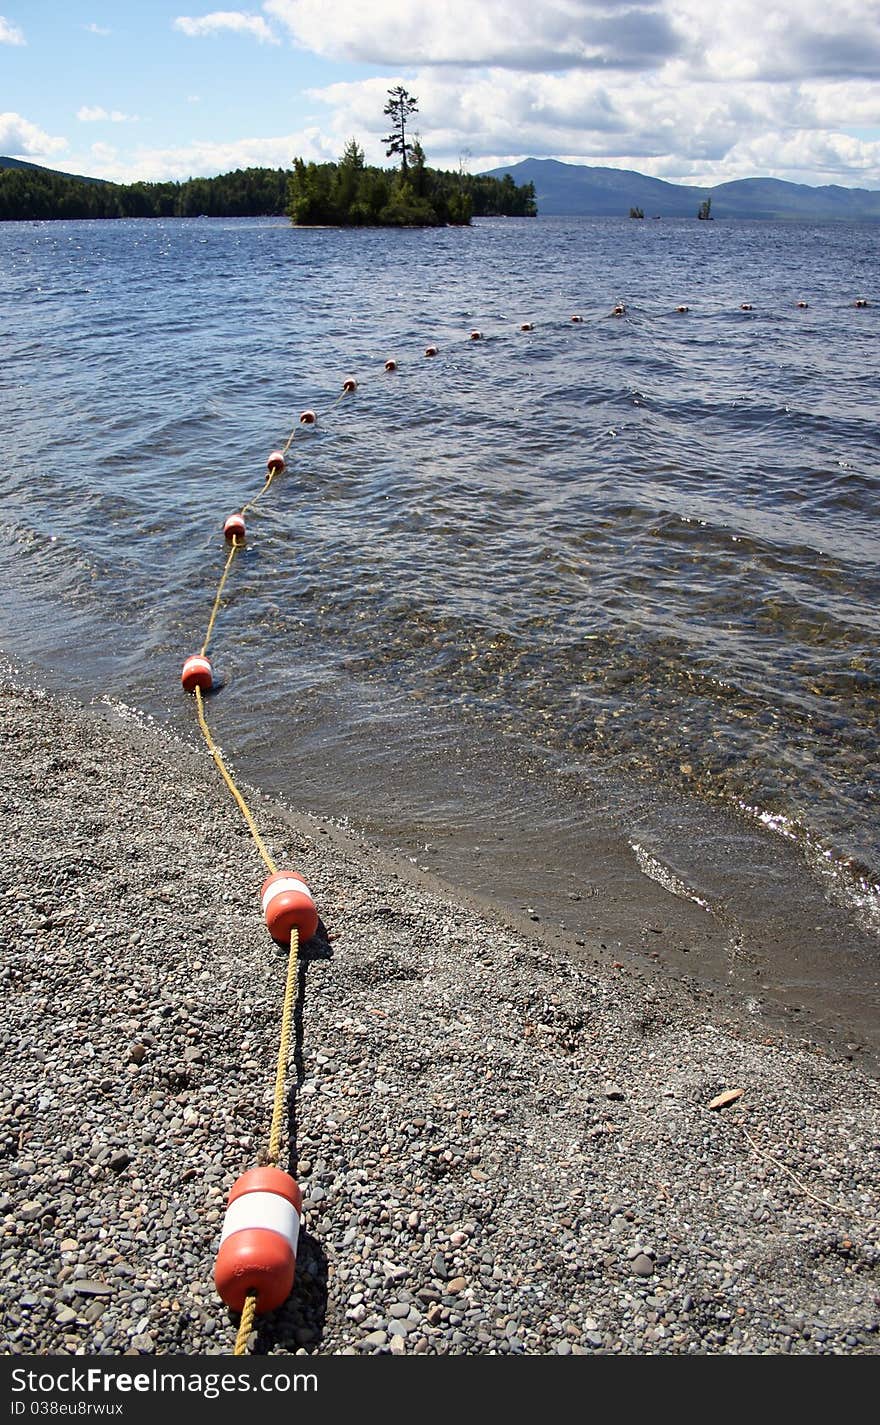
[501, 1151]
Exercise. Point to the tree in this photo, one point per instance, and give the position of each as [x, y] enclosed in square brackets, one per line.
[705, 209]
[399, 107]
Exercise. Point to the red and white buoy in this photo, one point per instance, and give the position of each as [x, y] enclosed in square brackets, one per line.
[682, 308]
[259, 1240]
[391, 364]
[349, 384]
[745, 306]
[577, 318]
[307, 418]
[275, 463]
[803, 304]
[431, 350]
[286, 903]
[197, 673]
[234, 528]
[476, 335]
[526, 327]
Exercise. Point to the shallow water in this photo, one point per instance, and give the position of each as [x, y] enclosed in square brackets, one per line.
[588, 608]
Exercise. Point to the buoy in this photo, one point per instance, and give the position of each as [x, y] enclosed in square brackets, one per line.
[618, 310]
[803, 304]
[390, 364]
[476, 335]
[275, 463]
[527, 327]
[197, 673]
[286, 902]
[431, 350]
[349, 384]
[307, 418]
[682, 309]
[259, 1239]
[860, 302]
[745, 306]
[234, 528]
[577, 318]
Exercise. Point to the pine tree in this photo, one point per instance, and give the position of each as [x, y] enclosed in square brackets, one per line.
[399, 107]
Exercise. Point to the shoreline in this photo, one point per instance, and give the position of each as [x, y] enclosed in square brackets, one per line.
[501, 1150]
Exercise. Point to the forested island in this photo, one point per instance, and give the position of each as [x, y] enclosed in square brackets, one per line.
[347, 193]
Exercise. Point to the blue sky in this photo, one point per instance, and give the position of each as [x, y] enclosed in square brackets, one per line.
[683, 90]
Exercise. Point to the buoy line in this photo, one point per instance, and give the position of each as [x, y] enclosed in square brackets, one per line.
[256, 1261]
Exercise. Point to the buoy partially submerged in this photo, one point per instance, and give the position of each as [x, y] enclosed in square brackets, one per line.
[234, 528]
[431, 350]
[577, 318]
[476, 335]
[275, 463]
[307, 418]
[197, 673]
[526, 327]
[349, 384]
[745, 306]
[682, 309]
[259, 1240]
[287, 904]
[390, 364]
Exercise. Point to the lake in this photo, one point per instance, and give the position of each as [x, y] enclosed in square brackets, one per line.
[582, 619]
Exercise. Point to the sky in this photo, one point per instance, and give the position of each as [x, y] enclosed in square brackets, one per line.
[692, 91]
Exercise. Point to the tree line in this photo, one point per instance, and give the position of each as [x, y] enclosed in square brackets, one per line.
[327, 193]
[32, 193]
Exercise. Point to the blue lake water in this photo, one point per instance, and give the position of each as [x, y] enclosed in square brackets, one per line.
[583, 618]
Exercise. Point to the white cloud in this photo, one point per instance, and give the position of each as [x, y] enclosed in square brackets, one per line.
[201, 159]
[10, 34]
[232, 20]
[692, 132]
[559, 34]
[94, 114]
[97, 29]
[19, 138]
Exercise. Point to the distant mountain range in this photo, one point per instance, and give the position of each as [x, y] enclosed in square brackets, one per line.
[571, 189]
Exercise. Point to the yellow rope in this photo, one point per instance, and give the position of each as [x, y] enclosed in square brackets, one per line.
[246, 1324]
[236, 545]
[243, 806]
[283, 1052]
[249, 1309]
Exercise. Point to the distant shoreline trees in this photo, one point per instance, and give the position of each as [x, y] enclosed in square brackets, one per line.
[33, 194]
[360, 195]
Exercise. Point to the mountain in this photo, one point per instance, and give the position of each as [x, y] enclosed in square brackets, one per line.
[576, 189]
[52, 172]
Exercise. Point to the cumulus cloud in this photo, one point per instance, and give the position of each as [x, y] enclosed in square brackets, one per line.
[19, 138]
[201, 159]
[93, 114]
[232, 20]
[564, 34]
[689, 132]
[10, 34]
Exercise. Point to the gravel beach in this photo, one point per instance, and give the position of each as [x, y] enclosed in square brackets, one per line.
[501, 1151]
